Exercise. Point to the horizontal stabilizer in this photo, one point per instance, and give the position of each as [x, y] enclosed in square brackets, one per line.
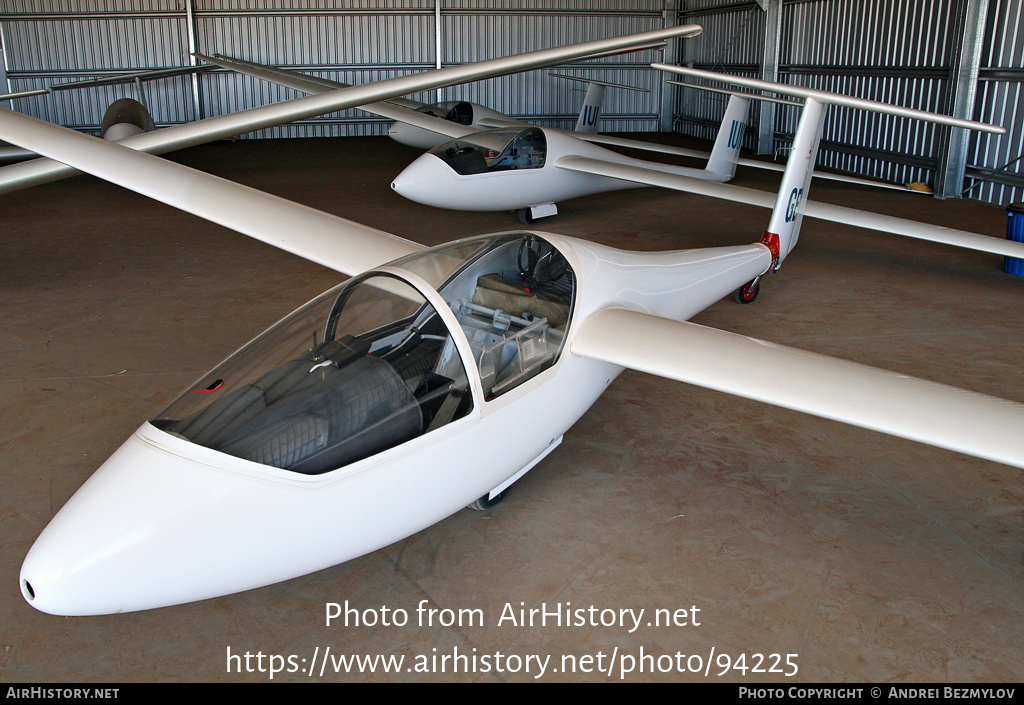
[296, 80]
[496, 123]
[606, 84]
[939, 415]
[771, 166]
[833, 98]
[611, 141]
[623, 142]
[811, 209]
[725, 91]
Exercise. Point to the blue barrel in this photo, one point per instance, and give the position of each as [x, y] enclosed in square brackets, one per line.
[1014, 231]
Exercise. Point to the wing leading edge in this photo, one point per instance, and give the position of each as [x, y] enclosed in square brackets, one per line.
[41, 171]
[935, 414]
[393, 109]
[334, 242]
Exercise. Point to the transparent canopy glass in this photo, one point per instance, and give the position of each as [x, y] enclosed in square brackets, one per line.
[453, 111]
[494, 150]
[371, 364]
[360, 369]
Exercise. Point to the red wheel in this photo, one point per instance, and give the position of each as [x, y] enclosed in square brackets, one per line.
[748, 292]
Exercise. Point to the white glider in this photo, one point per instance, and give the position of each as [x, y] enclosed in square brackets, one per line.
[491, 162]
[348, 425]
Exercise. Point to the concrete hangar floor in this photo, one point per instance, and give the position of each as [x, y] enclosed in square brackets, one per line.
[754, 530]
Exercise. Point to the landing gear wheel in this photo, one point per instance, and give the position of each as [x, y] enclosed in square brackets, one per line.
[486, 502]
[526, 216]
[748, 292]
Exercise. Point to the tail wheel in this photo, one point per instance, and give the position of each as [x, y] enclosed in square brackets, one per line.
[486, 502]
[526, 216]
[748, 292]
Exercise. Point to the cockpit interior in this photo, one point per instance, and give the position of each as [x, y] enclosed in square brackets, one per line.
[495, 150]
[371, 364]
[459, 112]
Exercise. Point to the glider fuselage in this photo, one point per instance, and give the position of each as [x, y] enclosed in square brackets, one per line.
[459, 112]
[491, 172]
[202, 501]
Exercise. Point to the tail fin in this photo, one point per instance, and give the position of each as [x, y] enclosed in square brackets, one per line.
[590, 112]
[726, 152]
[787, 216]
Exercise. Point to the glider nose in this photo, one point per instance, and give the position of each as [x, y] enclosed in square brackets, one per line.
[407, 135]
[131, 538]
[413, 136]
[396, 133]
[423, 181]
[42, 586]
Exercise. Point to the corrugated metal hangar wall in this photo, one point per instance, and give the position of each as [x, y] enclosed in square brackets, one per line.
[961, 57]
